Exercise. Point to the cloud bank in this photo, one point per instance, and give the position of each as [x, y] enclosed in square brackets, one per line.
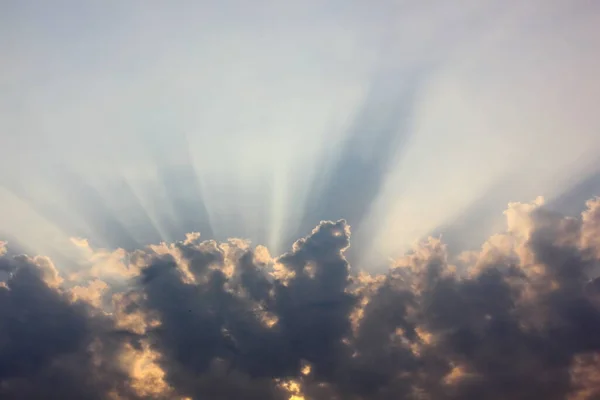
[194, 319]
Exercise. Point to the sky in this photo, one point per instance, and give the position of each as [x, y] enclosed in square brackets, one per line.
[347, 153]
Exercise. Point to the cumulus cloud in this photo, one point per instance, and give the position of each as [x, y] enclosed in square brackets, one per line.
[52, 346]
[196, 319]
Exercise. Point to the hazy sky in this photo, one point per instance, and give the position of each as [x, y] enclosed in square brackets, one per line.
[132, 122]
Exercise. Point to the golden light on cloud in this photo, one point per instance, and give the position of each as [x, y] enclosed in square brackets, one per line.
[148, 379]
[424, 336]
[80, 242]
[102, 262]
[306, 369]
[281, 273]
[294, 389]
[136, 321]
[49, 272]
[91, 293]
[269, 319]
[358, 313]
[262, 256]
[585, 377]
[456, 375]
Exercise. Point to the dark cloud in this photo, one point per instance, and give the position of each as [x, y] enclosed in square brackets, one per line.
[52, 347]
[518, 319]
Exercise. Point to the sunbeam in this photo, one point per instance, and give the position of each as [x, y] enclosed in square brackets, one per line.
[299, 200]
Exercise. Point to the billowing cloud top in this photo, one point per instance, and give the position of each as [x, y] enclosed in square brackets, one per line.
[518, 319]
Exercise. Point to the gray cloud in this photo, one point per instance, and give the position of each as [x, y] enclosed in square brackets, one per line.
[519, 319]
[53, 347]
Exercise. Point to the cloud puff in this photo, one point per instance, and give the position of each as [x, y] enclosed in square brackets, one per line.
[52, 346]
[518, 319]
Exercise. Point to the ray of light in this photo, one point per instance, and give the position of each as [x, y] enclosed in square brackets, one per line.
[498, 129]
[246, 125]
[33, 233]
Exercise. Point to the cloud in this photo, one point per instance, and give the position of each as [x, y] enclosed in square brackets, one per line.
[53, 347]
[519, 318]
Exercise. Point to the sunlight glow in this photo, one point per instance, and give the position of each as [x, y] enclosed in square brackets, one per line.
[398, 119]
